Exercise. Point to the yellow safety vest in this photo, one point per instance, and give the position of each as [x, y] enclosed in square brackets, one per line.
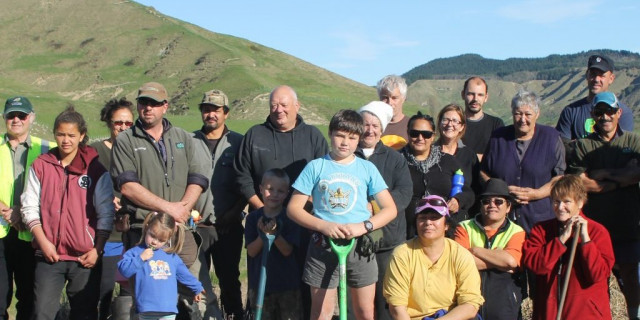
[38, 147]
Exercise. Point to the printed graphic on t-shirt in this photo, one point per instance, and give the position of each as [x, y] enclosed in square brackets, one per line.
[160, 270]
[339, 193]
[588, 126]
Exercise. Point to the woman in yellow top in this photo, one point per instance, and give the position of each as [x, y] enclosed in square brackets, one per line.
[431, 274]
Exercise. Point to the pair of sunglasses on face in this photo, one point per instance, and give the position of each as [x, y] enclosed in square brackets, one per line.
[19, 115]
[424, 133]
[120, 123]
[497, 201]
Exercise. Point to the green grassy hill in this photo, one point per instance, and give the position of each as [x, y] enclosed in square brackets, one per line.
[86, 52]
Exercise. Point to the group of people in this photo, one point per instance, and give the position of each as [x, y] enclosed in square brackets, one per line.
[455, 217]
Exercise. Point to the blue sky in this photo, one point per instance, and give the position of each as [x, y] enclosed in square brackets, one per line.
[366, 40]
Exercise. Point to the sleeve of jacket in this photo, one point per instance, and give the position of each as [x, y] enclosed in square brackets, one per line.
[243, 165]
[30, 199]
[199, 157]
[402, 188]
[596, 256]
[103, 202]
[564, 123]
[466, 197]
[319, 142]
[542, 255]
[123, 164]
[130, 263]
[186, 278]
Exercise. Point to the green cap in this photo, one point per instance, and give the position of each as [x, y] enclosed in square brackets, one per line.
[19, 103]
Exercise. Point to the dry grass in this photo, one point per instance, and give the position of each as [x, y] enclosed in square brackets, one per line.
[617, 303]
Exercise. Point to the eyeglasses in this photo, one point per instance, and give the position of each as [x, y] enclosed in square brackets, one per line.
[497, 201]
[120, 123]
[149, 102]
[599, 112]
[435, 203]
[19, 115]
[424, 133]
[446, 121]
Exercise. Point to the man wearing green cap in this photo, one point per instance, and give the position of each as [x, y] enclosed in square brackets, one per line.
[17, 260]
[222, 234]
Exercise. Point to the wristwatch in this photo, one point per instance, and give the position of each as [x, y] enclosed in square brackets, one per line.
[368, 225]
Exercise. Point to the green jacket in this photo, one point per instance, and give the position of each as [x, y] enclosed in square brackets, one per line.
[136, 157]
[36, 147]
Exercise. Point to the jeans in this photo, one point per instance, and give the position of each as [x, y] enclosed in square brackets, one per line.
[82, 289]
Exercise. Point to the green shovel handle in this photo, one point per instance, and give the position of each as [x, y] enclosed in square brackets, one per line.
[342, 251]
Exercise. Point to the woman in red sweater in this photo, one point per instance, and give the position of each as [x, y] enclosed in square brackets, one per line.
[546, 253]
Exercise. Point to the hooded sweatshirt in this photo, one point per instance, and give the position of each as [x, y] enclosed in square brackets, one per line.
[264, 147]
[72, 204]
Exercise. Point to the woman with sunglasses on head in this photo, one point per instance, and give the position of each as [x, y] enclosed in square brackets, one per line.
[529, 157]
[432, 171]
[431, 276]
[117, 114]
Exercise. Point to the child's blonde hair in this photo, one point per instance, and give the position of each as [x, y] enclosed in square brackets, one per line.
[166, 222]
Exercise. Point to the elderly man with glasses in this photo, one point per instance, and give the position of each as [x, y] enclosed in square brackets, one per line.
[17, 151]
[496, 244]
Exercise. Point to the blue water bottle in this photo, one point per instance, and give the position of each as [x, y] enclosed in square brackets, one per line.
[457, 183]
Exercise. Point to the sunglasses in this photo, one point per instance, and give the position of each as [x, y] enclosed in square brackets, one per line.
[424, 133]
[434, 203]
[149, 102]
[497, 201]
[120, 123]
[19, 115]
[599, 112]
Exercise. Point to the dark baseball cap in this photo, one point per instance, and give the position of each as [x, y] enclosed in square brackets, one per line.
[600, 62]
[19, 103]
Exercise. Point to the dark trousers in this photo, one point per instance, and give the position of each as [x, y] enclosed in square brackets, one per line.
[107, 284]
[225, 256]
[19, 265]
[82, 289]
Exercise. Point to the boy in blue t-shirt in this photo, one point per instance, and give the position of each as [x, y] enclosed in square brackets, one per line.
[339, 184]
[282, 295]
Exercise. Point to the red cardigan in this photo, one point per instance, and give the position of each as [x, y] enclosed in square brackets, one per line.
[587, 294]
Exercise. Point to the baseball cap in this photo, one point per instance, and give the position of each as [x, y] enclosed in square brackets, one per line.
[18, 103]
[600, 62]
[153, 90]
[434, 203]
[607, 98]
[216, 98]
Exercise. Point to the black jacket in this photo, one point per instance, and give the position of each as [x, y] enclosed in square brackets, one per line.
[395, 172]
[263, 148]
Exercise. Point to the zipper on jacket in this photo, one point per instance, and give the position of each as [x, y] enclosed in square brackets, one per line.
[173, 162]
[86, 228]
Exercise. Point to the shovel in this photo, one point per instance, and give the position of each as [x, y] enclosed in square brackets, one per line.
[342, 251]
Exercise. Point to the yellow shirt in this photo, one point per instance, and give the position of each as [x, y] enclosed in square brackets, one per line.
[412, 280]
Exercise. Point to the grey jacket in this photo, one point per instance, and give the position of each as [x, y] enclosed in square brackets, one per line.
[223, 180]
[136, 157]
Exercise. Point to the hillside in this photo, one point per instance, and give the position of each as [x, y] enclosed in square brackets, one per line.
[86, 52]
[558, 79]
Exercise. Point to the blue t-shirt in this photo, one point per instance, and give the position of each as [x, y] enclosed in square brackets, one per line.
[283, 273]
[340, 191]
[156, 280]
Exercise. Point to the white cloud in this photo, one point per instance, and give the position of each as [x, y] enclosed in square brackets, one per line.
[548, 11]
[359, 46]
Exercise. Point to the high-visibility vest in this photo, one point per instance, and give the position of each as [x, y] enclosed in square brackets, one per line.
[478, 238]
[38, 147]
